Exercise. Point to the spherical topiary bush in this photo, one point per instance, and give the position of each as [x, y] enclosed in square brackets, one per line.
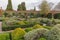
[35, 34]
[37, 26]
[18, 34]
[54, 33]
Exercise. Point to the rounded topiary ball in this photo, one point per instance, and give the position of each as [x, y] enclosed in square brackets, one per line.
[18, 33]
[37, 26]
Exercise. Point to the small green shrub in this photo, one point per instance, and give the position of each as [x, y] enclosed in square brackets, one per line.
[37, 26]
[28, 29]
[48, 27]
[54, 33]
[35, 34]
[42, 39]
[21, 23]
[18, 34]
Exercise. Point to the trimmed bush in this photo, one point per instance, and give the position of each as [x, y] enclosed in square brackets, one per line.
[49, 15]
[42, 39]
[54, 33]
[28, 29]
[4, 36]
[35, 34]
[18, 34]
[37, 26]
[21, 23]
[57, 16]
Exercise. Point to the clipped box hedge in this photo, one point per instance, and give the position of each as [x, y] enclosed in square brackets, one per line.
[4, 36]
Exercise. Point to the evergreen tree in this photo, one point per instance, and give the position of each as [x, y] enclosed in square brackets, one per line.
[44, 7]
[23, 6]
[19, 7]
[9, 6]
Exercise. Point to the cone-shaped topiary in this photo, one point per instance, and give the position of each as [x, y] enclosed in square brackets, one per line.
[9, 6]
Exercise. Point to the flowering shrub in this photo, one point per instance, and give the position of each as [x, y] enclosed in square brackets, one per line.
[35, 34]
[54, 33]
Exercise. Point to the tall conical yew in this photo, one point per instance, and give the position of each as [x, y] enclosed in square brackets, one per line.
[19, 7]
[9, 6]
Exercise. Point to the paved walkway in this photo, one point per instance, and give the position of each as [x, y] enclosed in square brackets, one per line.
[5, 31]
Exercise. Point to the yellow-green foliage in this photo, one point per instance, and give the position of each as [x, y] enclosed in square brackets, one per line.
[42, 39]
[37, 26]
[28, 29]
[18, 34]
[21, 23]
[4, 36]
[45, 9]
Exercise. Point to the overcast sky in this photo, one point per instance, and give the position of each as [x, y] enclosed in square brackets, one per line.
[29, 3]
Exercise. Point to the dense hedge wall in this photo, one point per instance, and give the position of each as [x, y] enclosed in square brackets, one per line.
[4, 36]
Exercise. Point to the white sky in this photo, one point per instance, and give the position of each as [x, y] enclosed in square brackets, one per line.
[29, 4]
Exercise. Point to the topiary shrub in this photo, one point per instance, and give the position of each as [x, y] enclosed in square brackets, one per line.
[48, 27]
[57, 16]
[28, 29]
[54, 33]
[21, 23]
[42, 39]
[37, 26]
[35, 34]
[18, 34]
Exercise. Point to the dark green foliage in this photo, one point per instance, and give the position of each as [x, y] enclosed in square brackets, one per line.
[23, 6]
[13, 14]
[31, 15]
[57, 16]
[49, 15]
[19, 7]
[28, 29]
[9, 6]
[5, 14]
